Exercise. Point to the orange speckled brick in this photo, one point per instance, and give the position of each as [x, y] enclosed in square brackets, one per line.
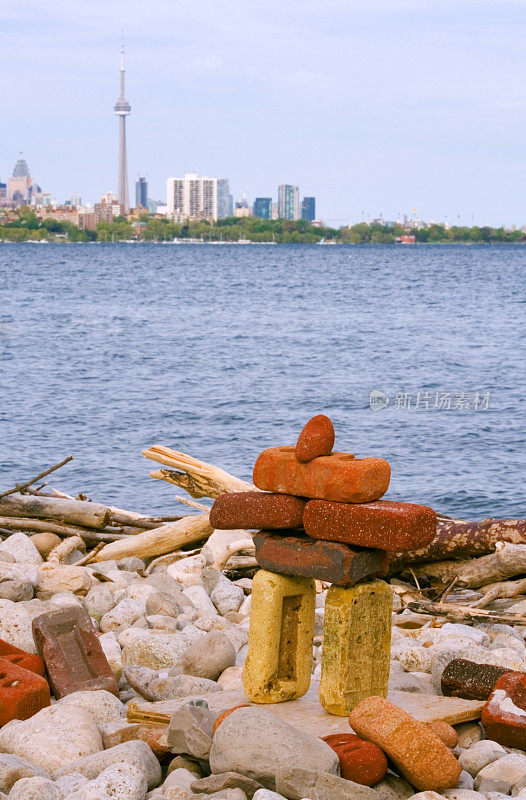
[22, 693]
[385, 524]
[21, 659]
[340, 476]
[254, 510]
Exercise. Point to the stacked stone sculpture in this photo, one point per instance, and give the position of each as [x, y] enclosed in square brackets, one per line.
[319, 516]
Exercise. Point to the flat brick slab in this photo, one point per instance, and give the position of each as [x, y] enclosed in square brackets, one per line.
[71, 650]
[386, 524]
[253, 510]
[340, 476]
[327, 561]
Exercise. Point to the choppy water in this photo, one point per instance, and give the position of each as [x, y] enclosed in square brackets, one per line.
[222, 351]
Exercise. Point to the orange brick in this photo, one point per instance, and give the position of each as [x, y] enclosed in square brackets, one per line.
[340, 476]
[22, 659]
[22, 693]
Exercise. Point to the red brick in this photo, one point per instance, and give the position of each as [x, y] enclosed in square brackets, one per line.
[463, 678]
[71, 650]
[504, 715]
[385, 524]
[254, 510]
[316, 439]
[340, 476]
[22, 659]
[22, 693]
[360, 761]
[326, 561]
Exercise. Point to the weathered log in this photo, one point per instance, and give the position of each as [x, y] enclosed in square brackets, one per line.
[458, 539]
[465, 613]
[196, 477]
[75, 512]
[507, 561]
[168, 537]
[493, 591]
[36, 525]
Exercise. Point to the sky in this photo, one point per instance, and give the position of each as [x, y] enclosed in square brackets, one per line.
[376, 107]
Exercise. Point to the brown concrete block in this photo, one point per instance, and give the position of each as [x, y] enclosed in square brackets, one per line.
[326, 561]
[316, 439]
[340, 476]
[253, 510]
[463, 678]
[386, 524]
[71, 650]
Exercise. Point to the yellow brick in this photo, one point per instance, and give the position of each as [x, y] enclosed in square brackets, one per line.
[356, 645]
[279, 659]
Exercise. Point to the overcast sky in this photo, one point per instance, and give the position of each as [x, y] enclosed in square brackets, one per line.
[374, 106]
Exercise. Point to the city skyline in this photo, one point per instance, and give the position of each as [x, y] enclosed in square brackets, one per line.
[370, 110]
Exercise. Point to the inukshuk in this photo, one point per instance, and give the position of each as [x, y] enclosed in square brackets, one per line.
[320, 516]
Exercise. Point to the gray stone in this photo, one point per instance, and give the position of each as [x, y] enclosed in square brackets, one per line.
[125, 613]
[122, 781]
[160, 622]
[226, 596]
[468, 733]
[52, 737]
[100, 599]
[266, 794]
[162, 582]
[16, 589]
[132, 564]
[13, 768]
[71, 783]
[35, 789]
[225, 794]
[22, 549]
[462, 794]
[102, 705]
[393, 788]
[256, 743]
[429, 795]
[465, 781]
[139, 679]
[298, 783]
[191, 731]
[181, 686]
[508, 770]
[135, 753]
[479, 755]
[209, 656]
[170, 605]
[226, 780]
[201, 601]
[403, 681]
[153, 649]
[179, 778]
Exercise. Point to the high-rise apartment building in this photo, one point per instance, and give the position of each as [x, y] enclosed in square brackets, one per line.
[141, 193]
[308, 208]
[192, 198]
[223, 199]
[288, 201]
[263, 207]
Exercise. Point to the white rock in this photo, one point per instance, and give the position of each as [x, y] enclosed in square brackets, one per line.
[226, 596]
[155, 650]
[462, 794]
[61, 599]
[231, 679]
[416, 659]
[504, 640]
[35, 789]
[15, 589]
[120, 781]
[13, 768]
[70, 783]
[15, 626]
[187, 571]
[203, 605]
[140, 591]
[102, 705]
[266, 794]
[479, 755]
[53, 736]
[246, 606]
[237, 636]
[458, 631]
[219, 540]
[22, 549]
[135, 753]
[508, 770]
[112, 650]
[160, 622]
[401, 680]
[429, 795]
[465, 781]
[209, 657]
[506, 657]
[101, 598]
[179, 778]
[125, 613]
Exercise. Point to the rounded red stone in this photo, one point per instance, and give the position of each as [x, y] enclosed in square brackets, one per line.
[316, 439]
[360, 761]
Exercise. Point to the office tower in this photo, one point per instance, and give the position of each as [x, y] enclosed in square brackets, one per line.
[141, 193]
[263, 207]
[192, 198]
[308, 208]
[122, 108]
[223, 198]
[288, 201]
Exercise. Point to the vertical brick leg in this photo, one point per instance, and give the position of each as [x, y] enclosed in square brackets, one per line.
[278, 663]
[356, 645]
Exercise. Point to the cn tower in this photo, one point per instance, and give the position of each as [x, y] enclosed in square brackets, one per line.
[122, 108]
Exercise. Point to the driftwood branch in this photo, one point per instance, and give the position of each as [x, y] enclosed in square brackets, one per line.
[77, 512]
[458, 539]
[457, 613]
[196, 477]
[19, 487]
[507, 561]
[494, 591]
[161, 540]
[14, 524]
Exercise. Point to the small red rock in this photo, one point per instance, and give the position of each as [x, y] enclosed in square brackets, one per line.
[504, 715]
[445, 732]
[226, 713]
[316, 439]
[360, 761]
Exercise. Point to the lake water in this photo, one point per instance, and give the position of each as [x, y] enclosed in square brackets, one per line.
[223, 351]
